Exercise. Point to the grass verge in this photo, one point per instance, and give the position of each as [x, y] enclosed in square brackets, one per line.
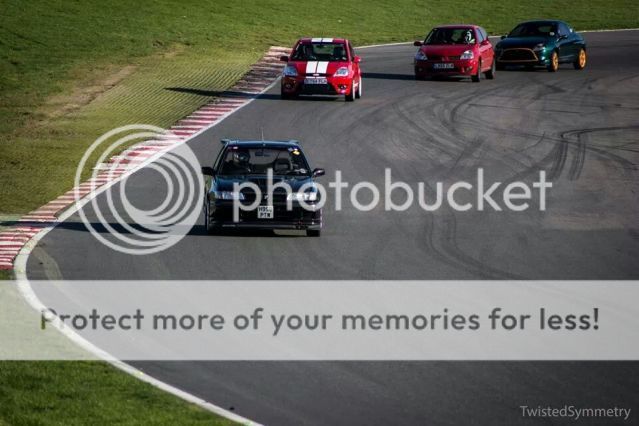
[83, 393]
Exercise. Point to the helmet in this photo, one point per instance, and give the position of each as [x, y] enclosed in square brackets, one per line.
[241, 158]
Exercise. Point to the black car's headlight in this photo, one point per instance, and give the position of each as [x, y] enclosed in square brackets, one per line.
[229, 195]
[302, 196]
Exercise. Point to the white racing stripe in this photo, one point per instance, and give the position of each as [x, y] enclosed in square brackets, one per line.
[321, 67]
[322, 40]
[311, 66]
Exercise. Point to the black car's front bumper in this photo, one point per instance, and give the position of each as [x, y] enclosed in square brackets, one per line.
[221, 214]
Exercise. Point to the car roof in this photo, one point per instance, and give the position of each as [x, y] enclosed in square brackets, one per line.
[261, 144]
[458, 26]
[322, 39]
[549, 21]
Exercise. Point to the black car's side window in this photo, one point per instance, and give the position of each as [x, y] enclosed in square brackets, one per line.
[216, 164]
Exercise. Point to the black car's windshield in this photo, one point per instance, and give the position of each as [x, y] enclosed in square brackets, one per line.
[534, 29]
[330, 52]
[257, 161]
[451, 36]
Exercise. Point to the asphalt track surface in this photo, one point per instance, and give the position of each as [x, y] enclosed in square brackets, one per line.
[581, 127]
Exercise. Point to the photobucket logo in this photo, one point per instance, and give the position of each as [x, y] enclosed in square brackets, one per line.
[460, 196]
[171, 207]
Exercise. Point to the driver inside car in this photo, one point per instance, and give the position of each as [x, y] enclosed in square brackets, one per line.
[239, 163]
[469, 38]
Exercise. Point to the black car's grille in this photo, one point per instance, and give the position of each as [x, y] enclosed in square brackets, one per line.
[280, 214]
[519, 54]
[279, 195]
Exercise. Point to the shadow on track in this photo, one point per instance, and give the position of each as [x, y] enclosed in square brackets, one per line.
[243, 95]
[196, 230]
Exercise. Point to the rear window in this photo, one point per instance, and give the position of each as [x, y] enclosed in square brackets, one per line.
[329, 52]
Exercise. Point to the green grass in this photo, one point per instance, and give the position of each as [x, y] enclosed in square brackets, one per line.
[88, 393]
[71, 70]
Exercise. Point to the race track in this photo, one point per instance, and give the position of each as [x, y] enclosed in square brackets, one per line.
[581, 127]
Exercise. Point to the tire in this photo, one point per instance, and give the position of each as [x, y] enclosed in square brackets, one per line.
[210, 229]
[490, 75]
[351, 96]
[285, 95]
[582, 59]
[313, 232]
[553, 66]
[358, 95]
[419, 77]
[477, 77]
[500, 67]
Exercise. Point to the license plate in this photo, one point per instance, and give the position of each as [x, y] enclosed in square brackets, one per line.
[315, 80]
[445, 66]
[265, 212]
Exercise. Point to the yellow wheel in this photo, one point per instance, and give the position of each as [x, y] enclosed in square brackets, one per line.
[582, 58]
[554, 62]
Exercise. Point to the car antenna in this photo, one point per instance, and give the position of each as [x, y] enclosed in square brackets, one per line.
[262, 130]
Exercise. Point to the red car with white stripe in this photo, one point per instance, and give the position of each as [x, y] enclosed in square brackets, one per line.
[322, 66]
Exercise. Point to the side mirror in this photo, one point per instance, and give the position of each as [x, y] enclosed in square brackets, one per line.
[502, 37]
[562, 37]
[284, 58]
[417, 43]
[208, 171]
[485, 42]
[318, 172]
[357, 59]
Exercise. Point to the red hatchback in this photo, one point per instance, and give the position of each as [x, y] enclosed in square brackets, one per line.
[455, 50]
[322, 66]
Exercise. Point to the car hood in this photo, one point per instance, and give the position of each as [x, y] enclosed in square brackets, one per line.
[446, 49]
[318, 67]
[226, 183]
[527, 42]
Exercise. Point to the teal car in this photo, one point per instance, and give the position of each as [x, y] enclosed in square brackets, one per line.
[546, 43]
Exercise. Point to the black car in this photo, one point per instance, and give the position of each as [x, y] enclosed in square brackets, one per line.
[546, 43]
[237, 190]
